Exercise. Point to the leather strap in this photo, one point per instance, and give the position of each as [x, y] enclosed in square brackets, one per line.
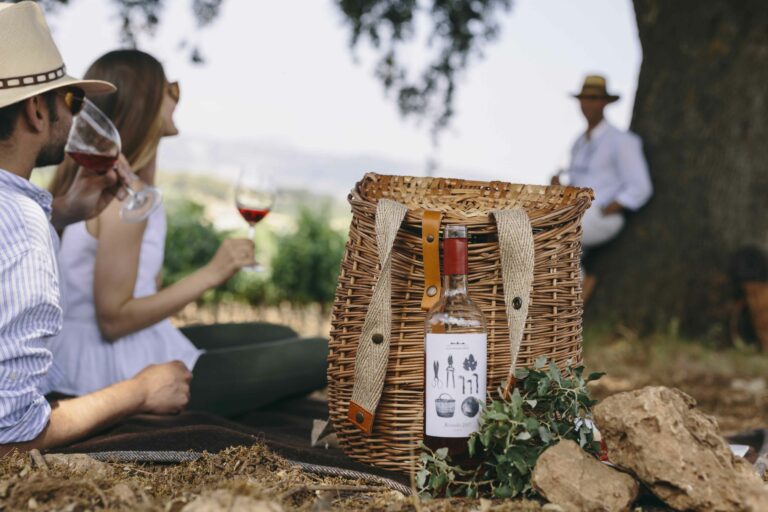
[373, 347]
[430, 248]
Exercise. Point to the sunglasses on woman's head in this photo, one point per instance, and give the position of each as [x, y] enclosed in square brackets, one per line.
[174, 91]
[74, 99]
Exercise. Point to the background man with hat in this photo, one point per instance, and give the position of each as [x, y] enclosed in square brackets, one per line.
[37, 103]
[610, 162]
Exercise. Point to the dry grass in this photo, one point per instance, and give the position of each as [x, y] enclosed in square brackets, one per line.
[237, 479]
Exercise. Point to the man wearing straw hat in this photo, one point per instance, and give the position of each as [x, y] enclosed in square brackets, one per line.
[37, 103]
[610, 162]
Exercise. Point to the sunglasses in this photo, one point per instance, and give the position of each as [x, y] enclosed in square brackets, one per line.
[74, 99]
[174, 91]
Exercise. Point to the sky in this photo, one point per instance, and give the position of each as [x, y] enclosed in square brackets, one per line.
[280, 74]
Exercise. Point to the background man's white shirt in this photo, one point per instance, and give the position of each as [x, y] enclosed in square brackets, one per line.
[611, 163]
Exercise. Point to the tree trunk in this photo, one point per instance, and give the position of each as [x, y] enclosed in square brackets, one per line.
[702, 112]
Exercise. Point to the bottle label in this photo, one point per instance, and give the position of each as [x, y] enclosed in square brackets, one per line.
[455, 384]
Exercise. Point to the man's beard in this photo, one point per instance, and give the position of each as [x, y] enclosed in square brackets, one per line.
[52, 154]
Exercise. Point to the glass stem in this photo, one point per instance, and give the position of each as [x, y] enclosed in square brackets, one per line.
[251, 230]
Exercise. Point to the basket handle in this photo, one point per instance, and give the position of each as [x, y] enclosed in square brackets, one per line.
[373, 347]
[517, 259]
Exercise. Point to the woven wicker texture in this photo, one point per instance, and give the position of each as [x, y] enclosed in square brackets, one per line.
[553, 327]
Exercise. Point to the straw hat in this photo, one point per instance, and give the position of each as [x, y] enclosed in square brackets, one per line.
[30, 63]
[595, 87]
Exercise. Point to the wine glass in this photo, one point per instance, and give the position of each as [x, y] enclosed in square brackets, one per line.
[94, 143]
[254, 197]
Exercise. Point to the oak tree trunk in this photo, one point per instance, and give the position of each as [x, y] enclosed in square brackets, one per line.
[702, 112]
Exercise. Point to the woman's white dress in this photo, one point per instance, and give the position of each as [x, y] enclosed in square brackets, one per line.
[88, 361]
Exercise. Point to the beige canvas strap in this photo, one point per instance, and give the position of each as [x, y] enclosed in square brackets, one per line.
[516, 247]
[373, 347]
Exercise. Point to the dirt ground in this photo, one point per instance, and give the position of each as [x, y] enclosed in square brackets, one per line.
[729, 384]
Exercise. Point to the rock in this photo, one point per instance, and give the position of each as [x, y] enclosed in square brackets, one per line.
[221, 499]
[677, 451]
[80, 464]
[574, 480]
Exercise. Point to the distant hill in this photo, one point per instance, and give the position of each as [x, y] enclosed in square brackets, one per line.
[295, 168]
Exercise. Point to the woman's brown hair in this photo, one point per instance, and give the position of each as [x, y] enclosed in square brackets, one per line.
[134, 108]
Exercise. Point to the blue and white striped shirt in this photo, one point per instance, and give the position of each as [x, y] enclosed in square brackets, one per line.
[30, 307]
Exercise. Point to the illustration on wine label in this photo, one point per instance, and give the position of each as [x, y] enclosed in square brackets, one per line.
[467, 347]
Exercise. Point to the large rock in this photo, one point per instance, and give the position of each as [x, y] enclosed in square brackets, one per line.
[569, 477]
[677, 451]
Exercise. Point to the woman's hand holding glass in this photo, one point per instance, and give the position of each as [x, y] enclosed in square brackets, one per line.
[233, 254]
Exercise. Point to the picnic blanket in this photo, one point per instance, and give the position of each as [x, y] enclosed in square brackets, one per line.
[285, 428]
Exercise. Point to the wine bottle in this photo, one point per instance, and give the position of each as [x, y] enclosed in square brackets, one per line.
[455, 354]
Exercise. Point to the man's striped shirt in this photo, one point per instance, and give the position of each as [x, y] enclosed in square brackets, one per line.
[30, 307]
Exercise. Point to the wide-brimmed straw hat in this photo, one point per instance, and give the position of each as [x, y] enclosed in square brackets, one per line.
[30, 63]
[595, 87]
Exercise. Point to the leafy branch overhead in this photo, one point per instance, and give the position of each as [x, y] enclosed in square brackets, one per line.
[459, 28]
[144, 16]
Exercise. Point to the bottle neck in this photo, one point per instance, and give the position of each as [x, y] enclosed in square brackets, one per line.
[454, 284]
[455, 266]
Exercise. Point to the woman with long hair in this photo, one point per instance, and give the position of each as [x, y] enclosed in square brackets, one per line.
[115, 319]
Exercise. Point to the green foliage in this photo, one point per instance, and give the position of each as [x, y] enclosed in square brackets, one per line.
[545, 407]
[459, 29]
[307, 262]
[191, 241]
[190, 244]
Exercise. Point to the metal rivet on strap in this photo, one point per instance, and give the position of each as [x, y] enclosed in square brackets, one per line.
[431, 291]
[377, 338]
[430, 238]
[359, 417]
[517, 303]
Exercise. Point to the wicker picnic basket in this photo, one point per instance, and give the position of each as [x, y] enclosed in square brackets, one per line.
[551, 322]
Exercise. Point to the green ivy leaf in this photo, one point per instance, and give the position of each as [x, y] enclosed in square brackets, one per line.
[544, 434]
[594, 376]
[521, 373]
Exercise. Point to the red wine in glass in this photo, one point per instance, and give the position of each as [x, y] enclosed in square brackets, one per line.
[252, 215]
[99, 163]
[254, 196]
[94, 143]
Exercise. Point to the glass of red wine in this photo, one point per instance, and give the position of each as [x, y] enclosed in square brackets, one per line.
[254, 197]
[94, 143]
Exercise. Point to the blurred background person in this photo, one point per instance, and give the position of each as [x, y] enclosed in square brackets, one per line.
[612, 164]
